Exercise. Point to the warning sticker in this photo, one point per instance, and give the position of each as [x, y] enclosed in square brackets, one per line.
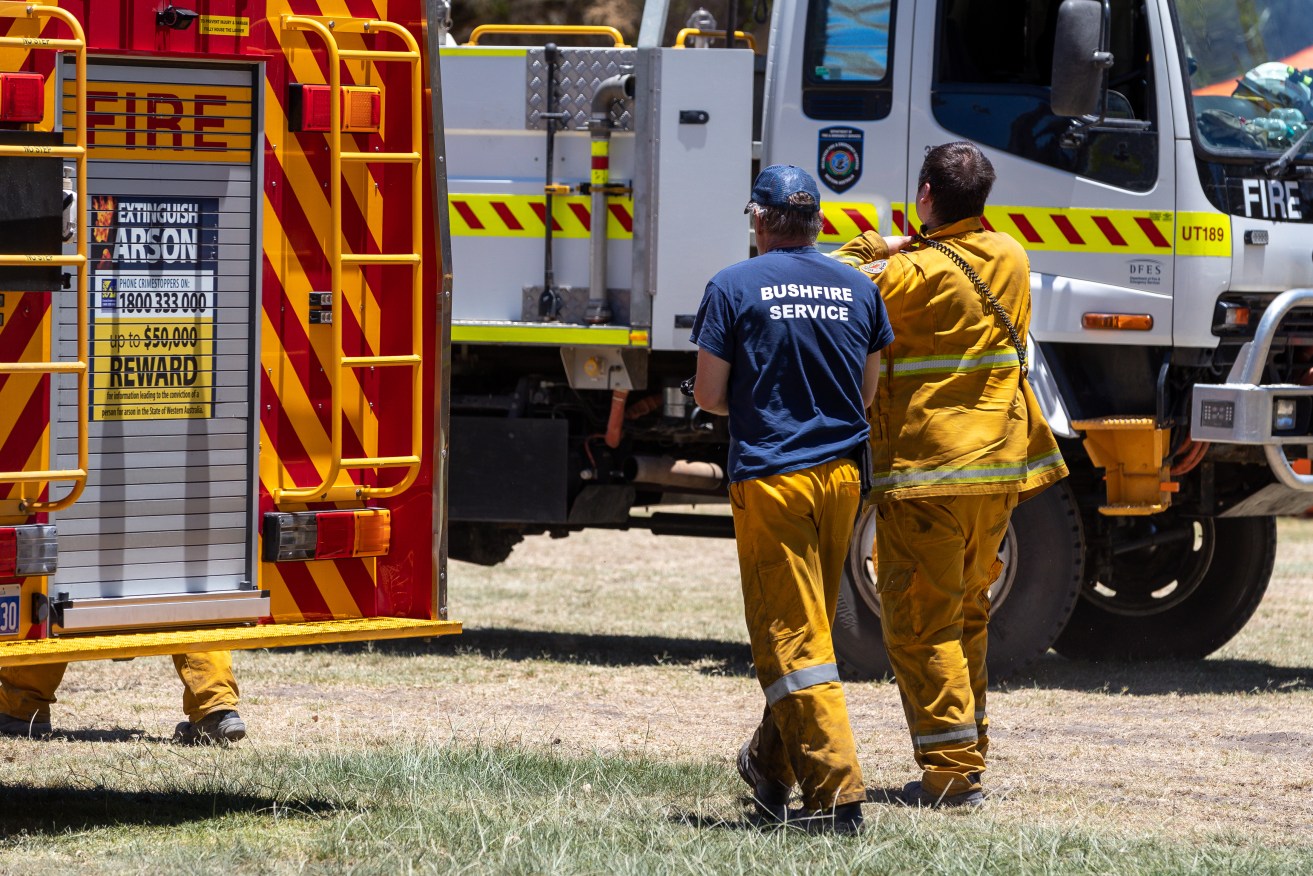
[225, 25]
[153, 302]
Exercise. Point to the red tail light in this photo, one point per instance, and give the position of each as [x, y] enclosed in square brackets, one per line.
[326, 535]
[22, 97]
[310, 108]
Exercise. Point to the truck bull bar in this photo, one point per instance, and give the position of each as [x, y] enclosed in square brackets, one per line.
[1246, 411]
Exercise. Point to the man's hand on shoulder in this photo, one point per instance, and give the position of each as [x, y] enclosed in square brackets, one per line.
[897, 243]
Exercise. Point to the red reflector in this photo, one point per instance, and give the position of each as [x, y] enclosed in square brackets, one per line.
[22, 97]
[336, 536]
[311, 109]
[8, 552]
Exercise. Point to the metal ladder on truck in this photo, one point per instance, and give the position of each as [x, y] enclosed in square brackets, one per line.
[339, 262]
[33, 483]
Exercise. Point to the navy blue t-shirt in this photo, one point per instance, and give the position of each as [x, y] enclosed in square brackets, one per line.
[796, 328]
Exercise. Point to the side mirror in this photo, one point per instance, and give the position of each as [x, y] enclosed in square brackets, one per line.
[1080, 57]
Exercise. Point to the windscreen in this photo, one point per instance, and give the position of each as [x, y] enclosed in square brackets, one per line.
[1251, 74]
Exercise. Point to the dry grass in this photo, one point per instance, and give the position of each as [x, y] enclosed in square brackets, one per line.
[623, 643]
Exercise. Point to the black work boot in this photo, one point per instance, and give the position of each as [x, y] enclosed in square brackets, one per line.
[845, 818]
[914, 794]
[221, 727]
[770, 798]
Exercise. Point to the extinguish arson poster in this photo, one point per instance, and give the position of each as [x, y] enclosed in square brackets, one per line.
[154, 262]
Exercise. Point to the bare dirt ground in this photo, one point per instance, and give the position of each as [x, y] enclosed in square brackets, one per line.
[625, 643]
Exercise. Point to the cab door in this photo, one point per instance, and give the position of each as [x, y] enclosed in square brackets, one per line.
[1093, 208]
[836, 104]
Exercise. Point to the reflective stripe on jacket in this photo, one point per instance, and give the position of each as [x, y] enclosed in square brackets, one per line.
[953, 414]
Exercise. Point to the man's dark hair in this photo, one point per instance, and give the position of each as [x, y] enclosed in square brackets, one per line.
[960, 178]
[794, 227]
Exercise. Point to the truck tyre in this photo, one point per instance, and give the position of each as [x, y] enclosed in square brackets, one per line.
[1043, 555]
[484, 544]
[1178, 598]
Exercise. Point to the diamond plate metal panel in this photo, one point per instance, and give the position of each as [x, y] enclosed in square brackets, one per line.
[578, 73]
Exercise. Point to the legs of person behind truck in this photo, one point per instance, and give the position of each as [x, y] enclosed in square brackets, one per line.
[209, 698]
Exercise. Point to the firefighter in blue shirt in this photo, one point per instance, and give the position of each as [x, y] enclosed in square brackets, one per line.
[789, 348]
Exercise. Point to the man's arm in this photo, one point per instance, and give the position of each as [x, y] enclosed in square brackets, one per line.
[870, 379]
[711, 386]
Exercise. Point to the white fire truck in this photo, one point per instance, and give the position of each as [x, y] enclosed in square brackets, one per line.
[222, 416]
[1153, 157]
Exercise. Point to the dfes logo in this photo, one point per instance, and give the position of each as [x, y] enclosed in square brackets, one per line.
[1145, 272]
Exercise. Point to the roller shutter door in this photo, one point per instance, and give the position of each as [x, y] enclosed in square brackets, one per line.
[172, 218]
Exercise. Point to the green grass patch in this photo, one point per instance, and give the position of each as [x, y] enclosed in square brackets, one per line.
[488, 809]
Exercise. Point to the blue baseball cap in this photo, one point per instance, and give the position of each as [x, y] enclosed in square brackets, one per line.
[786, 187]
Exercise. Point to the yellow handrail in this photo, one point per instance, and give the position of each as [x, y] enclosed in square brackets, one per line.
[617, 38]
[326, 489]
[78, 45]
[739, 36]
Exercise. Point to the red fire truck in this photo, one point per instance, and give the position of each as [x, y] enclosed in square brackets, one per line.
[225, 327]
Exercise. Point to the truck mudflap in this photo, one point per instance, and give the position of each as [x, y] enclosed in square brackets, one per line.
[1244, 410]
[66, 649]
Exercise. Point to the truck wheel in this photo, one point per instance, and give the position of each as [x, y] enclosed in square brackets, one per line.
[1043, 555]
[1180, 590]
[484, 544]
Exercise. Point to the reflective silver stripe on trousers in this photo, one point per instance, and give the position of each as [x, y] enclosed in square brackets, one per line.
[801, 678]
[947, 736]
[980, 716]
[970, 474]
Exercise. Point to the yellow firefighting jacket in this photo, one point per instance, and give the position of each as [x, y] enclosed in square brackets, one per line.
[953, 414]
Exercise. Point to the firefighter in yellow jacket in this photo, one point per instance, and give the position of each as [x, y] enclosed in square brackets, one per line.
[957, 439]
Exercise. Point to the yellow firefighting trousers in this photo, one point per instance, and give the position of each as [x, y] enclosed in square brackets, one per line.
[27, 692]
[792, 532]
[937, 558]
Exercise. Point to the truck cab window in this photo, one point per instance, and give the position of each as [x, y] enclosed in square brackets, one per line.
[992, 69]
[1251, 77]
[846, 60]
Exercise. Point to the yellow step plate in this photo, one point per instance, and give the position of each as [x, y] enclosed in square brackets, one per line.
[115, 646]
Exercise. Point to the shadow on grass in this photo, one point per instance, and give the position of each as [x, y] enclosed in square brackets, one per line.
[718, 657]
[700, 821]
[44, 810]
[1212, 676]
[117, 734]
[712, 656]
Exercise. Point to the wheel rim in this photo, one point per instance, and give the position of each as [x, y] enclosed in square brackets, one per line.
[861, 565]
[1158, 567]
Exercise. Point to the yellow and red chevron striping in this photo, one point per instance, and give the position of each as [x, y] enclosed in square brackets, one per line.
[489, 215]
[296, 390]
[842, 221]
[1079, 230]
[1131, 232]
[24, 398]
